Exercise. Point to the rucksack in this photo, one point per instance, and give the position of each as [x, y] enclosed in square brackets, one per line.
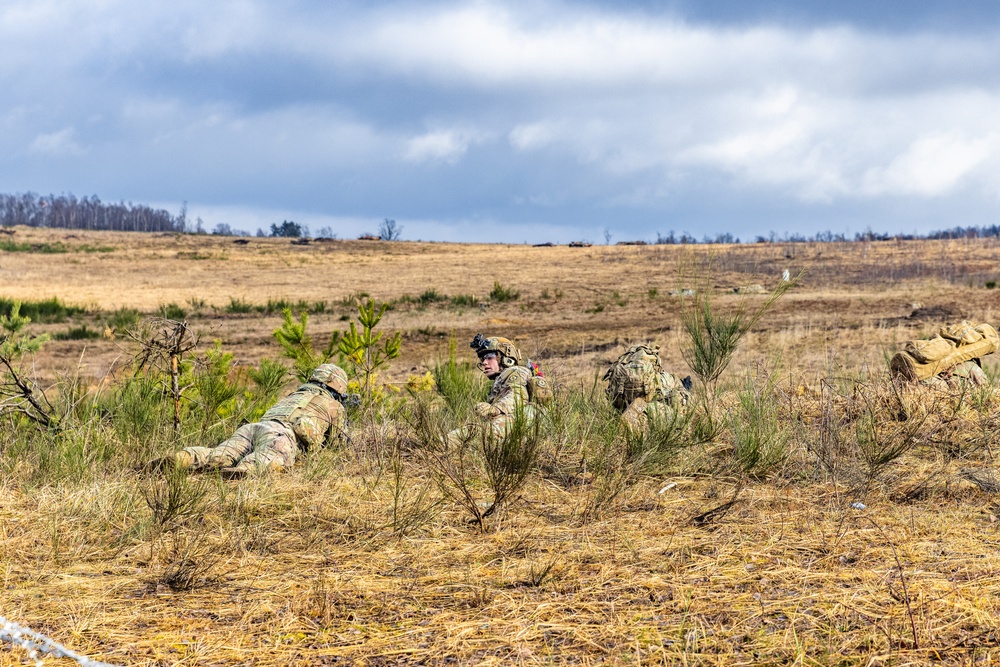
[539, 387]
[953, 345]
[633, 375]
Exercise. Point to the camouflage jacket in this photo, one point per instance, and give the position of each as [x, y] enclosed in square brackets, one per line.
[509, 391]
[316, 417]
[669, 388]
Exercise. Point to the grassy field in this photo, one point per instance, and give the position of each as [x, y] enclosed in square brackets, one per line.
[825, 521]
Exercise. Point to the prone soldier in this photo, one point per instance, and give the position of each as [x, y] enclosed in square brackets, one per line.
[311, 416]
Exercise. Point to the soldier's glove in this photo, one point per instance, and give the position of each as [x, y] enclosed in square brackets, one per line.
[352, 400]
[484, 410]
[687, 383]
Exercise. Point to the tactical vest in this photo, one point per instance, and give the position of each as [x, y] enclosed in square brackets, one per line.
[311, 412]
[637, 373]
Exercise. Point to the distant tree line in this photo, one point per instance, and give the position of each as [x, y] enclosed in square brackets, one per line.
[69, 212]
[972, 232]
[66, 211]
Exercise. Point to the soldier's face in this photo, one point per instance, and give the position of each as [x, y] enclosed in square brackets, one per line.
[490, 365]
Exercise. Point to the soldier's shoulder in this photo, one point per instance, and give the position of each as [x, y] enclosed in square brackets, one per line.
[515, 375]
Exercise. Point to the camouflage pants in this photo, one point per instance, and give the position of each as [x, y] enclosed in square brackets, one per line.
[496, 427]
[964, 375]
[640, 413]
[253, 447]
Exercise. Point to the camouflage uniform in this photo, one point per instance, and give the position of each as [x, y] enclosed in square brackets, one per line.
[311, 416]
[668, 396]
[508, 396]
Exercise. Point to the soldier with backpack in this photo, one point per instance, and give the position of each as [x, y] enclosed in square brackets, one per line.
[518, 388]
[641, 390]
[951, 359]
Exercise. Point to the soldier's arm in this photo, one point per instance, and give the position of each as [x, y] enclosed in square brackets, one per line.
[336, 432]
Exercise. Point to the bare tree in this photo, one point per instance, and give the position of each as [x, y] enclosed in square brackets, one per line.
[164, 342]
[388, 230]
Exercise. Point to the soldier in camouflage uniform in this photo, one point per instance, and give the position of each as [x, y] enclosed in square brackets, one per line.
[642, 391]
[311, 416]
[503, 363]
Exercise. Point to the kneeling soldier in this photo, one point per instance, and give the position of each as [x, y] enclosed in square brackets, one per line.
[518, 389]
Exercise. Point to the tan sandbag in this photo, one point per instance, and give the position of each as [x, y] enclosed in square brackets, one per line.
[904, 364]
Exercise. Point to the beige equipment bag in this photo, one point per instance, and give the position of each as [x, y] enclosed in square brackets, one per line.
[953, 345]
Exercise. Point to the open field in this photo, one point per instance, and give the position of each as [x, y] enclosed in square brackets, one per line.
[575, 304]
[687, 553]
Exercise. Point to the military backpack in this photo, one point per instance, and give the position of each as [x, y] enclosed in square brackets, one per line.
[633, 375]
[539, 387]
[952, 345]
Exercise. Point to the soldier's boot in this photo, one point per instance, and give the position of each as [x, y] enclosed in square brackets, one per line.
[176, 461]
[183, 460]
[243, 470]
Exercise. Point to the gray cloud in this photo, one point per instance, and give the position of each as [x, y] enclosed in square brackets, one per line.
[561, 118]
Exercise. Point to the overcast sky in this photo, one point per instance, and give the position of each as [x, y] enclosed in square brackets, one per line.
[512, 121]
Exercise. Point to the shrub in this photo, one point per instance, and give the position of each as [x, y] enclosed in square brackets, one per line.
[461, 384]
[171, 311]
[366, 351]
[465, 300]
[82, 332]
[478, 455]
[352, 300]
[297, 345]
[19, 393]
[139, 410]
[759, 437]
[45, 248]
[500, 294]
[431, 296]
[123, 318]
[46, 311]
[216, 389]
[278, 305]
[239, 306]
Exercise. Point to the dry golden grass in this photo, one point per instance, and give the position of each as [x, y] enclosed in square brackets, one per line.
[305, 568]
[853, 298]
[788, 575]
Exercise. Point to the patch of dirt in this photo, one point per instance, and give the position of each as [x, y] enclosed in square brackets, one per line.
[932, 313]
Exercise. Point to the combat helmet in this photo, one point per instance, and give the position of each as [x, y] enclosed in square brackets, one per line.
[504, 348]
[332, 376]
